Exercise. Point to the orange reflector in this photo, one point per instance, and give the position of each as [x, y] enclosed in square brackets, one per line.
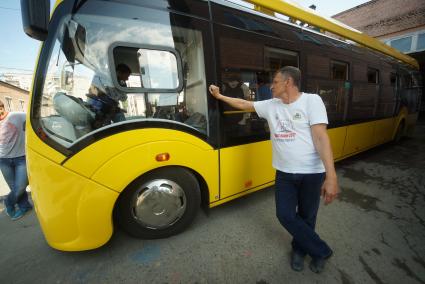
[248, 183]
[162, 157]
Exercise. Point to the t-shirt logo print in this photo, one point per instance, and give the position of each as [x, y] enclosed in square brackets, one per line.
[297, 116]
[285, 126]
[284, 130]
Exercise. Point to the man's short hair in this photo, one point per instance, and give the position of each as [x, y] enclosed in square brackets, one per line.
[293, 72]
[123, 68]
[1, 103]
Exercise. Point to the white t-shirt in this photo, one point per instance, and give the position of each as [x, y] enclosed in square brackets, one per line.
[290, 132]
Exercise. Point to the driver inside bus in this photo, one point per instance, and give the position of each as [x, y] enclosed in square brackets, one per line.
[105, 100]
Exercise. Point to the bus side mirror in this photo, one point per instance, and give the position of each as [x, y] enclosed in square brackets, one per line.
[35, 18]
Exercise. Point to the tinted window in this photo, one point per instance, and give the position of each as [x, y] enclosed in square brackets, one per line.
[393, 79]
[339, 70]
[247, 67]
[372, 76]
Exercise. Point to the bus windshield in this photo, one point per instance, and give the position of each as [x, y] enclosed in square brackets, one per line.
[105, 69]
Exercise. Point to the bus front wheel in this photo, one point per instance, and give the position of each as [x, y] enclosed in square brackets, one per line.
[159, 204]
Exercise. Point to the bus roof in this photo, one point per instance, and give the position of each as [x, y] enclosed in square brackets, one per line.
[293, 10]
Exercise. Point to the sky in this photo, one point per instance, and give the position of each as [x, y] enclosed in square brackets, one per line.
[18, 52]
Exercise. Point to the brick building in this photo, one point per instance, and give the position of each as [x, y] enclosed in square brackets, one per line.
[400, 24]
[14, 98]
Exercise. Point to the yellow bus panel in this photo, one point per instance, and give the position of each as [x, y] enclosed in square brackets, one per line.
[337, 137]
[35, 143]
[359, 137]
[105, 149]
[244, 167]
[120, 169]
[383, 131]
[74, 212]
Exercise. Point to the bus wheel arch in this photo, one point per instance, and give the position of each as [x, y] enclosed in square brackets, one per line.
[159, 203]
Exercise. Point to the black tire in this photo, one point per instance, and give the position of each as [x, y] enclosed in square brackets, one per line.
[126, 211]
[400, 131]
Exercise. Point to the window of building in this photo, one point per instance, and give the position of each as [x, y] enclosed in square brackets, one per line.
[22, 105]
[402, 44]
[9, 104]
[339, 70]
[421, 42]
[372, 76]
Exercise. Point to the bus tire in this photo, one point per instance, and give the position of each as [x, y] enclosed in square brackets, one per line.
[159, 204]
[399, 133]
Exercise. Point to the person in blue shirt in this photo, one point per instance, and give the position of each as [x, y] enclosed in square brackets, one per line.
[263, 89]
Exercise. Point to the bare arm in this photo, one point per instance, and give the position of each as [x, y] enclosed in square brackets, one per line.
[234, 102]
[322, 143]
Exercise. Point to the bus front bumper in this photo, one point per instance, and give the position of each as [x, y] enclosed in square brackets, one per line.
[74, 212]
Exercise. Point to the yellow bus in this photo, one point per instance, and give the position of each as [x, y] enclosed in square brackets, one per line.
[147, 149]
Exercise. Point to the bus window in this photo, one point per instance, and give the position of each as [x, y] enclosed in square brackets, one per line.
[276, 58]
[329, 79]
[393, 79]
[365, 94]
[387, 97]
[339, 70]
[250, 82]
[79, 73]
[372, 76]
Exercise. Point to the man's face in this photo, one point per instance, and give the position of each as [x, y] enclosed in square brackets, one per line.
[279, 86]
[2, 110]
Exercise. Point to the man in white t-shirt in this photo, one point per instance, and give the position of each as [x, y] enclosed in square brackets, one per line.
[303, 159]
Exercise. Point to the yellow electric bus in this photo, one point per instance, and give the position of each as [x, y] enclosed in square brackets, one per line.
[147, 149]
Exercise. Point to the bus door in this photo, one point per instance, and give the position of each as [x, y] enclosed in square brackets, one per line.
[247, 66]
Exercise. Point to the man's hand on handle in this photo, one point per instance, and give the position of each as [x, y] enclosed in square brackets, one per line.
[215, 91]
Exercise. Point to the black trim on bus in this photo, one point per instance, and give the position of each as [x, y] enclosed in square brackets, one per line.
[64, 8]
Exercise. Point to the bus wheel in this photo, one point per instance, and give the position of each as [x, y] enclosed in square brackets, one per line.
[399, 133]
[159, 204]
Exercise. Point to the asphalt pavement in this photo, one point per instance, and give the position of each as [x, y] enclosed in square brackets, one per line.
[376, 229]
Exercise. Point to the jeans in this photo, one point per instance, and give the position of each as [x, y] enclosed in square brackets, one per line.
[14, 171]
[297, 203]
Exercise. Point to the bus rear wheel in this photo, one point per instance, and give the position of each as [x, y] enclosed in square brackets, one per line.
[159, 204]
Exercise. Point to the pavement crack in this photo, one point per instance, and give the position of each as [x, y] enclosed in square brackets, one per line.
[345, 277]
[370, 271]
[403, 266]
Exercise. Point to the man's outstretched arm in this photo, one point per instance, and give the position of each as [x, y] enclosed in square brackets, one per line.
[234, 102]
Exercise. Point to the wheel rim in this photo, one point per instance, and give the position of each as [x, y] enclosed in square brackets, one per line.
[159, 204]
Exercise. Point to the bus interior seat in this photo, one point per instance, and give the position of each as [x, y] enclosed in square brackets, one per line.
[75, 112]
[197, 120]
[60, 128]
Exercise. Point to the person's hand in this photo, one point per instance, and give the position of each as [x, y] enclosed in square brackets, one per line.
[215, 91]
[330, 190]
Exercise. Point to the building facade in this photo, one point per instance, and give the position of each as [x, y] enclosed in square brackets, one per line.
[14, 98]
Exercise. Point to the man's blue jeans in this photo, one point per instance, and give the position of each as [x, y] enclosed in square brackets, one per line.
[297, 203]
[14, 171]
